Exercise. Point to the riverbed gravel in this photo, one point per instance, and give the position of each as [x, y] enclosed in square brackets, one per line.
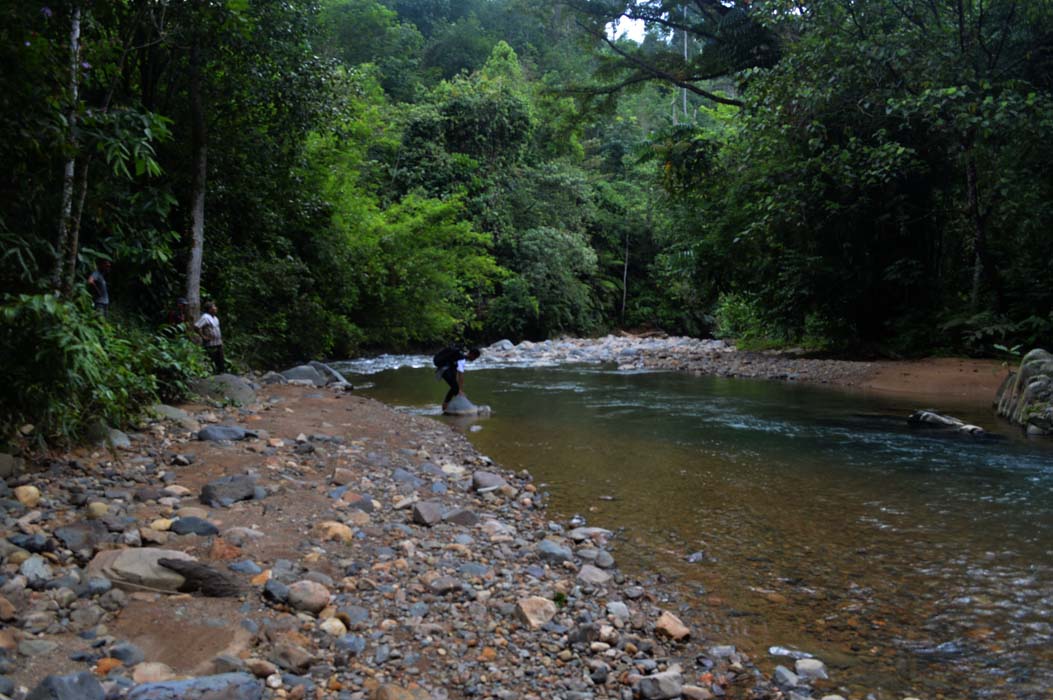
[339, 550]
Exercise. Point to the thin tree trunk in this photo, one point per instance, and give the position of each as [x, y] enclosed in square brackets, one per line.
[71, 160]
[73, 251]
[197, 193]
[625, 277]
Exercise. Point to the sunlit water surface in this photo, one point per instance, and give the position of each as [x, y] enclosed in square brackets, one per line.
[910, 563]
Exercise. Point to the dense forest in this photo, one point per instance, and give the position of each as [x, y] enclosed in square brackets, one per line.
[850, 176]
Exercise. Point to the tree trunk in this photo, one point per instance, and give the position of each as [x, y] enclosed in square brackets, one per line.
[625, 277]
[73, 250]
[71, 160]
[197, 191]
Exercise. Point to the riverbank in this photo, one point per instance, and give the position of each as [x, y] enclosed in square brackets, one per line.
[959, 379]
[362, 553]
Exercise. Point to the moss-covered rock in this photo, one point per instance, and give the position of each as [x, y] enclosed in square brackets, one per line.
[1026, 397]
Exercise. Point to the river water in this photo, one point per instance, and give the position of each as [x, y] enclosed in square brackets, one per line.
[909, 562]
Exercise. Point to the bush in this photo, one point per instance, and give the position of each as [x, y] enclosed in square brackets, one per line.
[66, 368]
[738, 317]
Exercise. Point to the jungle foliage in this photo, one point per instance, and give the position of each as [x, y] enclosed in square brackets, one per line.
[350, 175]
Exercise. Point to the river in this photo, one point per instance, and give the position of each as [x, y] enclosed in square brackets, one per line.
[909, 562]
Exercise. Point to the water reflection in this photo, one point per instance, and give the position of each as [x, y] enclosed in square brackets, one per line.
[909, 562]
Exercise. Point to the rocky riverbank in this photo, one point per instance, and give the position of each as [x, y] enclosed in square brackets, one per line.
[315, 544]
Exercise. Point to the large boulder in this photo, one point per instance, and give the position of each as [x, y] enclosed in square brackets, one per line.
[1026, 396]
[461, 406]
[304, 373]
[225, 387]
[138, 569]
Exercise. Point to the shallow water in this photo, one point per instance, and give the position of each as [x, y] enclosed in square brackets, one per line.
[911, 563]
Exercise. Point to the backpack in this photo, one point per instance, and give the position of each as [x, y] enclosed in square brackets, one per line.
[447, 356]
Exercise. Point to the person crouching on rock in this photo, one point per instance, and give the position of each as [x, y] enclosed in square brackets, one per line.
[208, 328]
[452, 370]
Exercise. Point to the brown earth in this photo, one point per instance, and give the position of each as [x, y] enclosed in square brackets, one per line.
[965, 380]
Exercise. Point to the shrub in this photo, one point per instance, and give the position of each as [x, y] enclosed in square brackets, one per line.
[66, 368]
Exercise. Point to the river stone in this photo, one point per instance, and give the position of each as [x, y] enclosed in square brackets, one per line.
[332, 530]
[228, 489]
[331, 375]
[535, 611]
[486, 481]
[137, 569]
[550, 550]
[225, 387]
[395, 692]
[669, 625]
[36, 570]
[427, 513]
[117, 439]
[225, 686]
[194, 526]
[661, 686]
[218, 433]
[462, 517]
[29, 496]
[153, 672]
[786, 678]
[80, 686]
[127, 653]
[176, 415]
[305, 372]
[593, 576]
[292, 657]
[811, 669]
[83, 537]
[36, 647]
[309, 596]
[460, 406]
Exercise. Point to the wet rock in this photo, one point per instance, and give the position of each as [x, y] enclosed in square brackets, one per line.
[785, 678]
[427, 513]
[535, 611]
[669, 625]
[218, 433]
[80, 686]
[661, 686]
[228, 686]
[228, 489]
[138, 569]
[308, 596]
[460, 406]
[225, 387]
[330, 375]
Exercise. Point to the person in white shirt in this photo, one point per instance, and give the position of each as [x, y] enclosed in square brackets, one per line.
[453, 374]
[208, 328]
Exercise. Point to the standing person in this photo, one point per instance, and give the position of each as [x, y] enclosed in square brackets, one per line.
[100, 291]
[208, 328]
[451, 363]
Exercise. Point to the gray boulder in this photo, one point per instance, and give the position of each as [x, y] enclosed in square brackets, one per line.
[228, 489]
[80, 686]
[218, 433]
[228, 686]
[461, 406]
[175, 415]
[331, 375]
[225, 387]
[273, 378]
[304, 373]
[1028, 391]
[138, 569]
